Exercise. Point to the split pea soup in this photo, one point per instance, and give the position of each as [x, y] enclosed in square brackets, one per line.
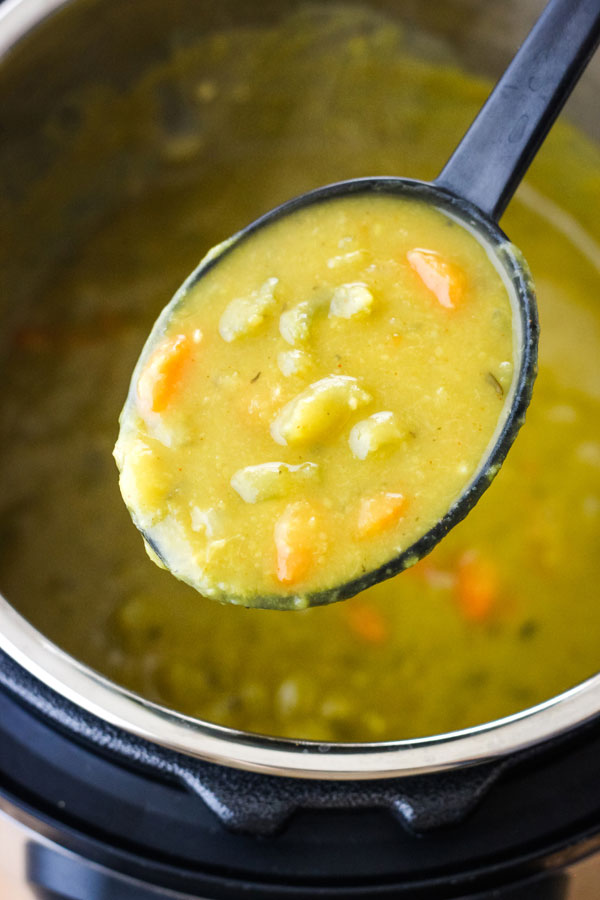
[318, 400]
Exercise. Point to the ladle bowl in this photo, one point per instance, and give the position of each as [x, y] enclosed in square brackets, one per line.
[515, 273]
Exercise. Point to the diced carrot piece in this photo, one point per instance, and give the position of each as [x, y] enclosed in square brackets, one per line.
[69, 336]
[366, 622]
[379, 512]
[164, 370]
[33, 339]
[477, 586]
[298, 540]
[444, 279]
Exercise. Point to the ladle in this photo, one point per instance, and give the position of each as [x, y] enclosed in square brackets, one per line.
[475, 186]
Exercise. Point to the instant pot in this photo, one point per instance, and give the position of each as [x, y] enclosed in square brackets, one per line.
[106, 795]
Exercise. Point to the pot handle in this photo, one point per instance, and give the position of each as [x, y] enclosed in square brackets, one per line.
[255, 802]
[261, 804]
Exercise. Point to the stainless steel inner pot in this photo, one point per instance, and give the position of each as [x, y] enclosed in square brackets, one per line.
[50, 46]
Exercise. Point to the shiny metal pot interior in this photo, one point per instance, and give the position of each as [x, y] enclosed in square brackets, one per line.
[48, 46]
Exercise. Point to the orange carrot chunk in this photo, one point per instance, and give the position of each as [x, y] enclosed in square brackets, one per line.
[158, 383]
[379, 512]
[477, 586]
[298, 541]
[366, 622]
[444, 279]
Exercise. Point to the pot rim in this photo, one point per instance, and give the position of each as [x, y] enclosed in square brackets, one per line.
[18, 17]
[276, 756]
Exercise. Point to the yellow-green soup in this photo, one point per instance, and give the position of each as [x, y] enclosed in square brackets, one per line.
[317, 400]
[504, 613]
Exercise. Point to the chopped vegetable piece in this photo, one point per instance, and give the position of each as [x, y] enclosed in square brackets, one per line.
[147, 493]
[370, 434]
[245, 314]
[294, 323]
[366, 622]
[68, 336]
[442, 278]
[272, 479]
[351, 300]
[477, 586]
[354, 257]
[379, 512]
[298, 541]
[293, 362]
[320, 409]
[163, 372]
[210, 521]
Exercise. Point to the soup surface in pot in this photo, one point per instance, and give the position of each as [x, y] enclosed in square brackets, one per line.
[504, 613]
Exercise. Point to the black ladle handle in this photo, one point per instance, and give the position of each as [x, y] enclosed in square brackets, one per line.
[496, 151]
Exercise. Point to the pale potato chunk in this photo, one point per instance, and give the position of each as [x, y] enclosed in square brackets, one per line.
[370, 434]
[272, 480]
[210, 521]
[293, 362]
[245, 314]
[294, 323]
[352, 258]
[351, 300]
[143, 481]
[321, 408]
